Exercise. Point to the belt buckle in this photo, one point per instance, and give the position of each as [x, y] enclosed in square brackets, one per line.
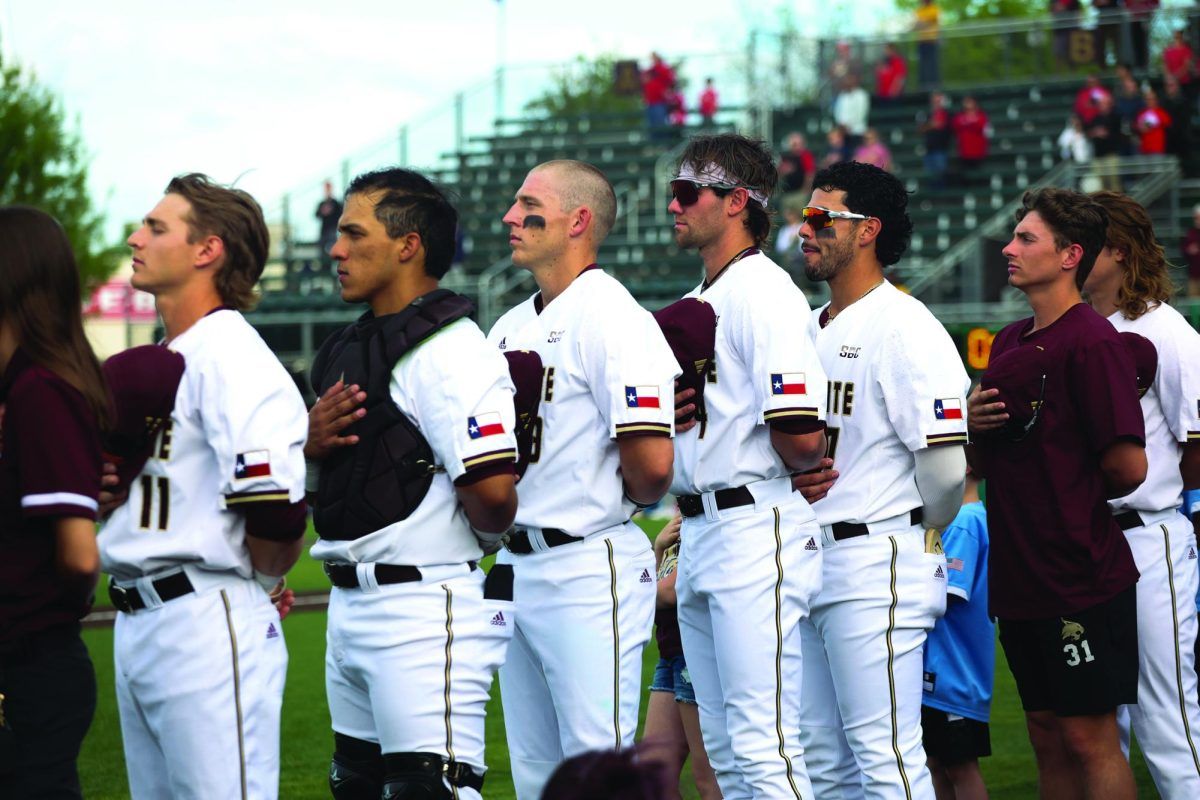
[120, 597]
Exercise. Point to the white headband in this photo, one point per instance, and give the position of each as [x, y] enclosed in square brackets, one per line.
[711, 173]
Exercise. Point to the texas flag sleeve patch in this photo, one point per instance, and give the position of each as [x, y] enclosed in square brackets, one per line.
[787, 383]
[252, 464]
[641, 396]
[482, 425]
[948, 408]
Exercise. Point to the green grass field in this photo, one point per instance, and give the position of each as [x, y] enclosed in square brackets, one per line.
[306, 740]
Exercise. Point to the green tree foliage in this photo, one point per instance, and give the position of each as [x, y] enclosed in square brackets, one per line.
[585, 88]
[962, 10]
[43, 164]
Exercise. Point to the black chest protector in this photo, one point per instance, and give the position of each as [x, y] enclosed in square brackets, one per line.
[382, 479]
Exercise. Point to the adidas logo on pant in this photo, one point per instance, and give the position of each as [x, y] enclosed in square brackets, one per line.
[939, 572]
[498, 620]
[645, 577]
[811, 544]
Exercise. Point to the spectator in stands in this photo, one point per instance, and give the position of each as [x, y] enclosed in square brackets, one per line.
[676, 108]
[1152, 126]
[1108, 143]
[936, 130]
[1108, 29]
[1180, 60]
[1073, 143]
[843, 67]
[836, 138]
[1087, 99]
[708, 103]
[890, 74]
[1179, 136]
[850, 111]
[1066, 21]
[657, 80]
[797, 166]
[1141, 14]
[926, 24]
[787, 241]
[329, 211]
[1127, 101]
[874, 152]
[972, 132]
[1191, 253]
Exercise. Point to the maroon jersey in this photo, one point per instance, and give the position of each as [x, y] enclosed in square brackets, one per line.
[1070, 391]
[49, 468]
[666, 632]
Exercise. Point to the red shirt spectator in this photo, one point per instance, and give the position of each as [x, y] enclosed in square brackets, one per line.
[1152, 125]
[657, 81]
[971, 131]
[1087, 99]
[890, 73]
[1179, 60]
[708, 101]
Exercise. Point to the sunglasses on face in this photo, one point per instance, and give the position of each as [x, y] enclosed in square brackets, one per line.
[821, 218]
[688, 192]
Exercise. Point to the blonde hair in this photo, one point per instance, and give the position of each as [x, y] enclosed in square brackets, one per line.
[1145, 273]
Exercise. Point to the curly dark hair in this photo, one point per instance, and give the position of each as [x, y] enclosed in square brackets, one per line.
[1073, 218]
[875, 193]
[411, 203]
[749, 161]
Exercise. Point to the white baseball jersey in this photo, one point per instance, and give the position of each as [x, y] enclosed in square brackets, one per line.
[608, 372]
[896, 385]
[1171, 407]
[456, 389]
[766, 369]
[236, 436]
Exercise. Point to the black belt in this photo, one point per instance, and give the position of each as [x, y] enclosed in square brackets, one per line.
[345, 576]
[436, 766]
[518, 541]
[128, 598]
[848, 530]
[1129, 519]
[692, 505]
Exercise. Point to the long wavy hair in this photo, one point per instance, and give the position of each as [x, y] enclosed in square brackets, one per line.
[40, 301]
[1145, 276]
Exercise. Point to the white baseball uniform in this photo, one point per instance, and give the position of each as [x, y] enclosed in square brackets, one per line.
[200, 677]
[1166, 718]
[409, 665]
[896, 386]
[572, 682]
[747, 573]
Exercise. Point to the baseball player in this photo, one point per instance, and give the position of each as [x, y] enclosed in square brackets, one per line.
[751, 555]
[896, 432]
[1130, 284]
[411, 466]
[584, 574]
[199, 653]
[1056, 430]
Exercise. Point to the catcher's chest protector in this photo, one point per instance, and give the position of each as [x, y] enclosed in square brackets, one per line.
[382, 479]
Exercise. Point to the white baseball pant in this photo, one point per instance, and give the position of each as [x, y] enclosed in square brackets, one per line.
[746, 578]
[1166, 718]
[410, 665]
[880, 595]
[199, 689]
[572, 681]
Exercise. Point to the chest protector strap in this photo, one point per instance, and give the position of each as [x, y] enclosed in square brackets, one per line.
[382, 479]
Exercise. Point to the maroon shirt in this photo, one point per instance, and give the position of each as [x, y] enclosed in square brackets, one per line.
[1056, 548]
[49, 468]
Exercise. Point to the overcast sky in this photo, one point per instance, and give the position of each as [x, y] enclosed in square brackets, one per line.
[279, 92]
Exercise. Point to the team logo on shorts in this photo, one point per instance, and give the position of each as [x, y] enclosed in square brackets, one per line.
[252, 464]
[641, 396]
[272, 631]
[947, 408]
[939, 573]
[811, 544]
[482, 425]
[1191, 553]
[498, 620]
[788, 383]
[645, 577]
[1071, 630]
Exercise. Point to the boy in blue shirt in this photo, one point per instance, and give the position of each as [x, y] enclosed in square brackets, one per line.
[960, 659]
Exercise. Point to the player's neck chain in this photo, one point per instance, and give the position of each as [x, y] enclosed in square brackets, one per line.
[749, 251]
[830, 313]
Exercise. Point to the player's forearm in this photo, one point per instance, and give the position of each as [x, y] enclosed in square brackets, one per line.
[940, 473]
[647, 467]
[799, 452]
[272, 557]
[76, 554]
[491, 503]
[1124, 467]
